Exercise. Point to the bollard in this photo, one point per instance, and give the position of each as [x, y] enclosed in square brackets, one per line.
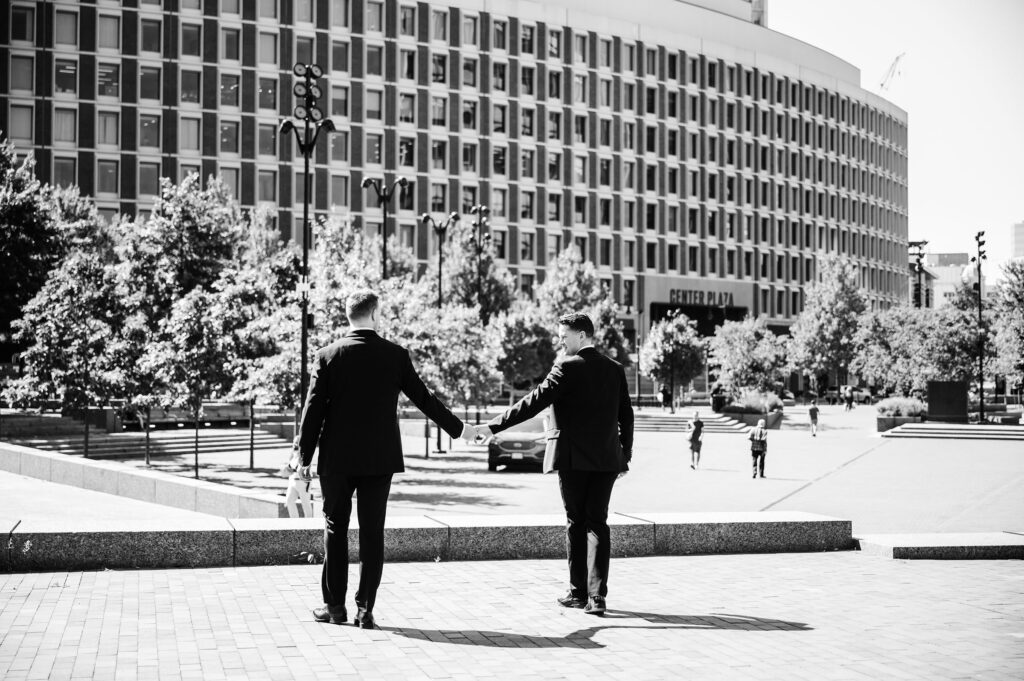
[426, 438]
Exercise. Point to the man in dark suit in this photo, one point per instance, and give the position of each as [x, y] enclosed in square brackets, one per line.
[592, 410]
[351, 411]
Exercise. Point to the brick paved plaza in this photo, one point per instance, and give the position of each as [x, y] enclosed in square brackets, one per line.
[795, 616]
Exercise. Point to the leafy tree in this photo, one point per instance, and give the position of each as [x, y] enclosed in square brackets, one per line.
[823, 334]
[893, 348]
[1009, 322]
[673, 351]
[747, 354]
[527, 346]
[572, 285]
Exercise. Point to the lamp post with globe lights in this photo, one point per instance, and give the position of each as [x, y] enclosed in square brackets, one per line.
[312, 122]
[384, 194]
[981, 328]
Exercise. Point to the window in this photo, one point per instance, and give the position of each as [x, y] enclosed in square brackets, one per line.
[65, 76]
[438, 197]
[605, 253]
[500, 240]
[439, 25]
[229, 89]
[374, 147]
[407, 64]
[374, 60]
[22, 72]
[527, 158]
[266, 140]
[21, 122]
[605, 93]
[629, 97]
[604, 53]
[339, 100]
[374, 16]
[268, 48]
[651, 68]
[66, 29]
[191, 40]
[149, 82]
[498, 83]
[108, 32]
[629, 58]
[499, 156]
[469, 34]
[106, 176]
[579, 169]
[439, 68]
[64, 172]
[468, 115]
[23, 25]
[268, 94]
[580, 129]
[406, 151]
[149, 40]
[526, 117]
[526, 79]
[500, 33]
[580, 48]
[65, 125]
[339, 146]
[554, 125]
[438, 111]
[579, 88]
[554, 246]
[149, 179]
[229, 137]
[555, 43]
[407, 21]
[406, 108]
[499, 208]
[149, 130]
[229, 7]
[554, 85]
[469, 73]
[579, 209]
[526, 213]
[627, 290]
[604, 173]
[651, 255]
[604, 208]
[438, 154]
[500, 114]
[266, 185]
[469, 154]
[304, 50]
[374, 104]
[526, 246]
[554, 207]
[190, 135]
[526, 40]
[554, 166]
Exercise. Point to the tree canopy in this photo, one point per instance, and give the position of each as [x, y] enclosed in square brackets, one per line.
[746, 354]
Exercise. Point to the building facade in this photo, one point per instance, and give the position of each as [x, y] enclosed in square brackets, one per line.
[1017, 241]
[701, 161]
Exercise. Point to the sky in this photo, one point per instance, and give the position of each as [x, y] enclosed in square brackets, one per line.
[962, 86]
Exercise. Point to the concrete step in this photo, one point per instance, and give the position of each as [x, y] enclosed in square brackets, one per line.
[945, 546]
[162, 443]
[957, 431]
[679, 422]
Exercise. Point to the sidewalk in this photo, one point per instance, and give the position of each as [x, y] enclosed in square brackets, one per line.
[840, 616]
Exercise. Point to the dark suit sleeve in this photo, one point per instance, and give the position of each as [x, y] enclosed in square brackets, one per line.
[314, 411]
[551, 388]
[625, 418]
[426, 401]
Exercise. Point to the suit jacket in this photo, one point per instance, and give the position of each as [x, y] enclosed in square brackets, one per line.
[351, 409]
[591, 404]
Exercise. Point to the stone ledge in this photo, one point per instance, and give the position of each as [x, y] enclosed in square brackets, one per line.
[944, 546]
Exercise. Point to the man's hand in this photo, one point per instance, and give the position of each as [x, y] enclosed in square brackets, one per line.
[305, 473]
[484, 433]
[470, 433]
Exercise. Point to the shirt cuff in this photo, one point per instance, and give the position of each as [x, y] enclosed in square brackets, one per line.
[465, 429]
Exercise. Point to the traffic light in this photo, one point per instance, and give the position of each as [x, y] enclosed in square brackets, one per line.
[308, 93]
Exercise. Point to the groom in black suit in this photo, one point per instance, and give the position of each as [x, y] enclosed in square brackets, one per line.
[351, 412]
[592, 410]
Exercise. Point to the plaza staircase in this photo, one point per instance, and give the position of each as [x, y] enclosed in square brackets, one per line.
[658, 421]
[957, 431]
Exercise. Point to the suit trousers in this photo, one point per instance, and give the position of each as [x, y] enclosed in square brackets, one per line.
[585, 495]
[758, 462]
[372, 493]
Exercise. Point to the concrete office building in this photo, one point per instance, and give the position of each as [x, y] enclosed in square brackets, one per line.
[1017, 242]
[701, 161]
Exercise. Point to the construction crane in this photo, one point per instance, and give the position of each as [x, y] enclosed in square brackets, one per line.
[894, 70]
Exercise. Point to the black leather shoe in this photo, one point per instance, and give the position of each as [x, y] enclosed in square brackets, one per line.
[595, 606]
[570, 601]
[329, 614]
[364, 619]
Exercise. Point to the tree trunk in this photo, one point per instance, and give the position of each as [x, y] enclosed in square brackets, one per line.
[195, 414]
[146, 426]
[252, 433]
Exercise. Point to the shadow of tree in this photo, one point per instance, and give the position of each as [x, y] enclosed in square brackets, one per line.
[441, 498]
[449, 482]
[584, 638]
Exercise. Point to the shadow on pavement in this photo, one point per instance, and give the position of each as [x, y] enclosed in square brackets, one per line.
[584, 638]
[442, 498]
[448, 482]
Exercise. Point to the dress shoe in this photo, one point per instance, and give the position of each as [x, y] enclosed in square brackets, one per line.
[364, 619]
[570, 601]
[330, 614]
[595, 606]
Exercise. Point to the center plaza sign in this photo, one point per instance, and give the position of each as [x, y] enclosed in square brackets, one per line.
[681, 296]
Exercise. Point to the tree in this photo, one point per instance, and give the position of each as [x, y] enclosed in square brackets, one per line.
[572, 285]
[527, 346]
[823, 334]
[1009, 323]
[893, 348]
[673, 352]
[747, 354]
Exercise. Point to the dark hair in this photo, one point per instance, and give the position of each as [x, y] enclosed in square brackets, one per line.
[577, 321]
[360, 304]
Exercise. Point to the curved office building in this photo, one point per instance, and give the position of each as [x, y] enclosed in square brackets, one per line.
[700, 160]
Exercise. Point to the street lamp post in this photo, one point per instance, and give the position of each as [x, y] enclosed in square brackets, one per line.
[981, 329]
[384, 194]
[919, 298]
[440, 228]
[313, 122]
[480, 221]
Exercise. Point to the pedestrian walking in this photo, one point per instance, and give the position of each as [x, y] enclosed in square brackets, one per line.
[695, 432]
[813, 413]
[759, 447]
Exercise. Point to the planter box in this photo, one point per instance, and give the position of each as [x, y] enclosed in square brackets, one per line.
[889, 422]
[773, 421]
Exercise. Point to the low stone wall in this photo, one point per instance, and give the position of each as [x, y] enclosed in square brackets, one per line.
[132, 543]
[152, 486]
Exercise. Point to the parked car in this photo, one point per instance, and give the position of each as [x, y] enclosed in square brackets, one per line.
[521, 445]
[860, 395]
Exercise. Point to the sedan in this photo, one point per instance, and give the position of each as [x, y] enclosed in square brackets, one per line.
[521, 445]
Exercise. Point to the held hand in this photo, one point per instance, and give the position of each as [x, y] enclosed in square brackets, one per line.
[470, 433]
[305, 473]
[484, 434]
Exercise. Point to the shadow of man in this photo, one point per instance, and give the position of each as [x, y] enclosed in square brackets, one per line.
[584, 638]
